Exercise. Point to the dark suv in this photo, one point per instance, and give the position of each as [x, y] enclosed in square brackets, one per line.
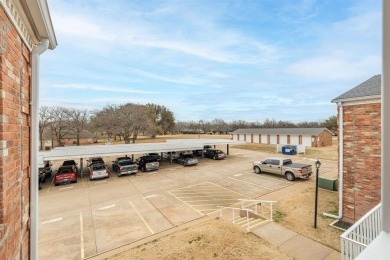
[199, 152]
[147, 163]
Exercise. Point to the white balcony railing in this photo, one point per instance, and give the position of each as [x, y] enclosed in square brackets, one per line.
[361, 234]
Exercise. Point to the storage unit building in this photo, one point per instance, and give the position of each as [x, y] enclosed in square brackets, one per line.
[310, 137]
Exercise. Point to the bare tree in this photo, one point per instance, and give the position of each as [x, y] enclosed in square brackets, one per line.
[79, 120]
[45, 117]
[106, 121]
[60, 123]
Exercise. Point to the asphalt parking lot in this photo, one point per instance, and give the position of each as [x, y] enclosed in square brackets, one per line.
[90, 217]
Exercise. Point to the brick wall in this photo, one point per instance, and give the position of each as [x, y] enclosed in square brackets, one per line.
[325, 139]
[15, 74]
[362, 160]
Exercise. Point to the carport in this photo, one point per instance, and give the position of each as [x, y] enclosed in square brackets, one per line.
[86, 151]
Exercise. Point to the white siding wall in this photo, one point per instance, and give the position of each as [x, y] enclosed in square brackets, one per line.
[306, 140]
[235, 137]
[242, 137]
[255, 138]
[294, 139]
[273, 139]
[263, 139]
[283, 139]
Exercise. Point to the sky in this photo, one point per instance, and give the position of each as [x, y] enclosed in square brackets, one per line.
[228, 59]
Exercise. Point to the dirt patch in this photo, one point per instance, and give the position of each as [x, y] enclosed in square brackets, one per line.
[215, 239]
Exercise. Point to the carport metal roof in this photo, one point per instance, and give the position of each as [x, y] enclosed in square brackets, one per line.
[75, 152]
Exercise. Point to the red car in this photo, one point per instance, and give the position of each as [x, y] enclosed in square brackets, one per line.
[65, 175]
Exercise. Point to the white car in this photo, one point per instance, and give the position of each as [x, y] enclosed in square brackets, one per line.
[98, 171]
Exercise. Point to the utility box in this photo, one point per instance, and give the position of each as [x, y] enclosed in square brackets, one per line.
[289, 149]
[328, 184]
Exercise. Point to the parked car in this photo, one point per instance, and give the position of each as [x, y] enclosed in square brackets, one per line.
[124, 165]
[65, 175]
[199, 152]
[70, 163]
[95, 160]
[98, 171]
[187, 160]
[147, 163]
[169, 155]
[158, 157]
[47, 169]
[41, 177]
[214, 154]
[284, 167]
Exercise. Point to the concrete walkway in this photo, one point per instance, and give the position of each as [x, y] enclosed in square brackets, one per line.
[298, 246]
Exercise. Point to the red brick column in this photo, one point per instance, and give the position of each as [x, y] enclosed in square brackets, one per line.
[362, 160]
[15, 74]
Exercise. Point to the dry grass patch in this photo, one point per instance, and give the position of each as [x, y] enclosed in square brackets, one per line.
[297, 214]
[215, 239]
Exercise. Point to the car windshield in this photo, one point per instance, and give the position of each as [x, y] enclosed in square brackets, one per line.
[69, 163]
[187, 156]
[288, 161]
[98, 167]
[218, 151]
[125, 162]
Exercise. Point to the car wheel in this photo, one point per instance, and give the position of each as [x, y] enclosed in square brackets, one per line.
[257, 169]
[142, 169]
[56, 184]
[290, 176]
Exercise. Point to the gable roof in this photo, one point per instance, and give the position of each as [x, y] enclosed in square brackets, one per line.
[370, 88]
[282, 131]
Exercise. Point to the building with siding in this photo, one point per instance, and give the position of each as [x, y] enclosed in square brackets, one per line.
[359, 115]
[310, 137]
[26, 32]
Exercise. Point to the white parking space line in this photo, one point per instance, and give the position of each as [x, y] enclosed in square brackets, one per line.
[100, 182]
[81, 237]
[139, 214]
[108, 207]
[252, 183]
[66, 188]
[234, 199]
[238, 175]
[51, 221]
[150, 196]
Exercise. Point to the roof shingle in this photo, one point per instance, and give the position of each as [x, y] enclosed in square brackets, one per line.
[369, 88]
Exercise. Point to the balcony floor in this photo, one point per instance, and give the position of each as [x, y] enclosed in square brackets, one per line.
[378, 249]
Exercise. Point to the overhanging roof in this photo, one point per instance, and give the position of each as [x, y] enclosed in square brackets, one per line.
[282, 131]
[369, 89]
[86, 151]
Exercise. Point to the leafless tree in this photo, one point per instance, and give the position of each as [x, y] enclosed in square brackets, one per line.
[45, 116]
[60, 123]
[78, 121]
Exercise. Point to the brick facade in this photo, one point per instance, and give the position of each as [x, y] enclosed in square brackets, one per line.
[362, 159]
[15, 75]
[322, 139]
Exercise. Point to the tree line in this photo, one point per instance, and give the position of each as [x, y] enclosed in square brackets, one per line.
[128, 121]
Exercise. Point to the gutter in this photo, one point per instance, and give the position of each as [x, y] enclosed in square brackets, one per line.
[34, 146]
[341, 163]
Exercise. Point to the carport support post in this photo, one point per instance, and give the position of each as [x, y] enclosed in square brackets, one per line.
[227, 149]
[132, 157]
[81, 167]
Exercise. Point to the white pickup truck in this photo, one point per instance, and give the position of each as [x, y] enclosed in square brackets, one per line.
[284, 167]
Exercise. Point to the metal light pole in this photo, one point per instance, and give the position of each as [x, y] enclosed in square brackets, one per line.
[318, 165]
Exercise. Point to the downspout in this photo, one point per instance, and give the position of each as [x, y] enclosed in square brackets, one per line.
[34, 146]
[341, 163]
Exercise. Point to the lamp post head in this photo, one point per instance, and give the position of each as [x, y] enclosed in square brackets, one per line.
[318, 163]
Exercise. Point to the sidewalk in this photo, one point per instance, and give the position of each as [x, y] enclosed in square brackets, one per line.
[294, 244]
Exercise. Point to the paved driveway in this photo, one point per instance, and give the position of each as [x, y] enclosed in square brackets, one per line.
[91, 217]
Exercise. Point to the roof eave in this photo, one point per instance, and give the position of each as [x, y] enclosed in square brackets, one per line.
[39, 16]
[343, 100]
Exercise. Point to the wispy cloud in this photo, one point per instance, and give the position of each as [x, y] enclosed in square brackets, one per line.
[90, 87]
